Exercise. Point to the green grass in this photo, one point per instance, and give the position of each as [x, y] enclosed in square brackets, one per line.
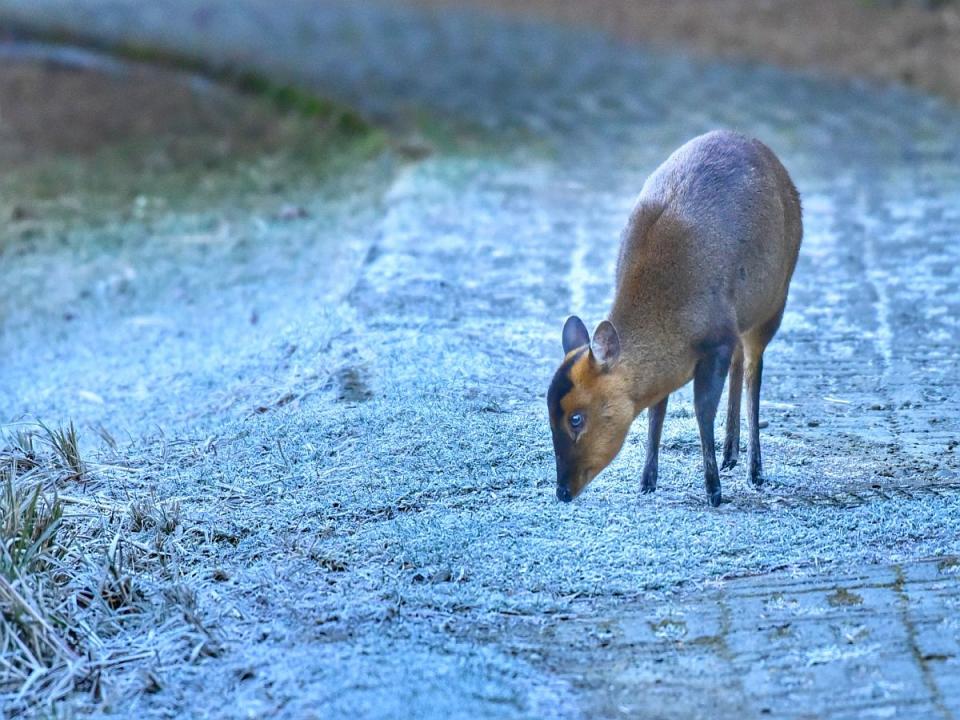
[286, 97]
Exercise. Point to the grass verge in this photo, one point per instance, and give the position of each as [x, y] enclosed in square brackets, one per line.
[285, 96]
[79, 565]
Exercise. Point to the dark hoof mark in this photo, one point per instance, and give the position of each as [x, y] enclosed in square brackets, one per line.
[714, 499]
[351, 386]
[756, 481]
[647, 489]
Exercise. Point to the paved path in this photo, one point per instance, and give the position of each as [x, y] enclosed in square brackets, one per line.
[880, 641]
[502, 603]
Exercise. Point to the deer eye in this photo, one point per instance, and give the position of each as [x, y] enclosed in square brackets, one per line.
[576, 421]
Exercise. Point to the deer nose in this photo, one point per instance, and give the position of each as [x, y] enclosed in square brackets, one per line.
[563, 479]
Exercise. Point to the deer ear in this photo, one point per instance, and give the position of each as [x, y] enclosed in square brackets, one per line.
[606, 344]
[574, 334]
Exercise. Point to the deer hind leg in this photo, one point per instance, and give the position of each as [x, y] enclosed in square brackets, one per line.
[731, 442]
[754, 344]
[708, 379]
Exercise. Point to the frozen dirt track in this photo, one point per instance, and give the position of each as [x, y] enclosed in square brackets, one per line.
[400, 553]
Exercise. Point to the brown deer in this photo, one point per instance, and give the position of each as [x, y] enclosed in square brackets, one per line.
[702, 278]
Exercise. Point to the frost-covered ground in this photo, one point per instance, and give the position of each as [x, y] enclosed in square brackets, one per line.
[385, 541]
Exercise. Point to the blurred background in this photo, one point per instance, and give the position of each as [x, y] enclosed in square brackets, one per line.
[909, 41]
[281, 295]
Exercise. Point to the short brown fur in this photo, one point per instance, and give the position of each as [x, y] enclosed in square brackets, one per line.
[702, 279]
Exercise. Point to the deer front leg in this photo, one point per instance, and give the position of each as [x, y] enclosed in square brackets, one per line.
[655, 416]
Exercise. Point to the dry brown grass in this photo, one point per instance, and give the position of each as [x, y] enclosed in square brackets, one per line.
[914, 42]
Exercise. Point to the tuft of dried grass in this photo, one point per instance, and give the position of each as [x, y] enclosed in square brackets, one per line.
[32, 644]
[75, 572]
[147, 514]
[29, 520]
[66, 448]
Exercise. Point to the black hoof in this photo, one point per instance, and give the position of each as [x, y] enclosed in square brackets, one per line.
[731, 453]
[713, 488]
[649, 482]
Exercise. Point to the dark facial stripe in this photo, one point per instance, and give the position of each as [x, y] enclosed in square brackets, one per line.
[561, 385]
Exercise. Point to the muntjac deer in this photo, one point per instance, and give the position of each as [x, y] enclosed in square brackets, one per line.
[702, 277]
